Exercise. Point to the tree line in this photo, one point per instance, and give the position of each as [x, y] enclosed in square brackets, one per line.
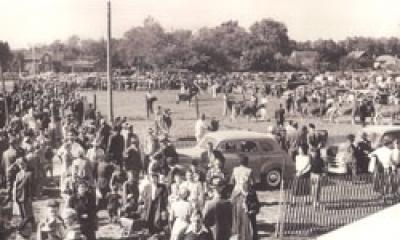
[265, 46]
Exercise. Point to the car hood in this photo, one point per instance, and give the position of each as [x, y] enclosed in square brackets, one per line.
[189, 152]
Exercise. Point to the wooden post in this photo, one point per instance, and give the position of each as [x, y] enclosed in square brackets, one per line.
[95, 102]
[109, 65]
[196, 102]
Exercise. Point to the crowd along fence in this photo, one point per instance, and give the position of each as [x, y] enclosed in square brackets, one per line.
[311, 207]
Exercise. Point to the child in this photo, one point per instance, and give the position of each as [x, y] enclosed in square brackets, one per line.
[113, 204]
[52, 227]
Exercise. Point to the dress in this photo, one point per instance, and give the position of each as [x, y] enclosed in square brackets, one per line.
[180, 210]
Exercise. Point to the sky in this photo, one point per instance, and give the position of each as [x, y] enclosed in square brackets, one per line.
[24, 23]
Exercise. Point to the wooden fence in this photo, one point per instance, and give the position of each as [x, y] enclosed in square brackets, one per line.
[342, 200]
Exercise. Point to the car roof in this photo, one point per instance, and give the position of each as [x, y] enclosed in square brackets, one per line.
[238, 134]
[381, 128]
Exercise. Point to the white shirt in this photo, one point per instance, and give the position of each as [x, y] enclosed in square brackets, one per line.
[302, 164]
[384, 155]
[200, 129]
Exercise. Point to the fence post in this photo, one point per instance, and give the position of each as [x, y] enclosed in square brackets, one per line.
[95, 102]
[196, 102]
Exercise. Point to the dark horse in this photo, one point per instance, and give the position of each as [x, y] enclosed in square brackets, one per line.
[187, 97]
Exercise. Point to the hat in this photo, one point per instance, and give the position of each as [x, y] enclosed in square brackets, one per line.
[53, 203]
[150, 130]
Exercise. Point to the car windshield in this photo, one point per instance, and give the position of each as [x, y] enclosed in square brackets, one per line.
[203, 143]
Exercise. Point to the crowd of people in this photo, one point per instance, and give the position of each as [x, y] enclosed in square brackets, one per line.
[105, 167]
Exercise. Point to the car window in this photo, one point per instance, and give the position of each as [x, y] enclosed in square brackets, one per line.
[266, 146]
[228, 147]
[392, 135]
[248, 146]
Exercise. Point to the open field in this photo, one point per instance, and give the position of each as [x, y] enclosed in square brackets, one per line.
[131, 104]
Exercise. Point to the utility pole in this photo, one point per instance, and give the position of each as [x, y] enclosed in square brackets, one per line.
[109, 66]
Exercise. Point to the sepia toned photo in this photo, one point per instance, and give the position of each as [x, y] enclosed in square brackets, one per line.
[199, 120]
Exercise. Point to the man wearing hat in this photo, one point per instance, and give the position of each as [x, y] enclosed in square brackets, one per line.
[154, 198]
[116, 146]
[133, 159]
[363, 149]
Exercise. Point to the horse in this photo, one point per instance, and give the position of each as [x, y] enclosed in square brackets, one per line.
[187, 97]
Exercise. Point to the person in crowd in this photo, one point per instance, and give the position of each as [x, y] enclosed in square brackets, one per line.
[383, 166]
[25, 228]
[118, 178]
[81, 168]
[316, 171]
[73, 229]
[245, 207]
[196, 229]
[133, 159]
[104, 134]
[242, 173]
[201, 127]
[175, 188]
[114, 203]
[195, 188]
[180, 213]
[104, 173]
[280, 115]
[116, 146]
[350, 154]
[130, 188]
[363, 149]
[84, 203]
[24, 189]
[52, 226]
[211, 154]
[154, 199]
[151, 146]
[303, 168]
[217, 212]
[95, 154]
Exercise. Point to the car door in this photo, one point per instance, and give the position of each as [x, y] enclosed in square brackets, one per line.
[229, 149]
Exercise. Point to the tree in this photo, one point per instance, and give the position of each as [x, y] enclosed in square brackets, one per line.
[5, 56]
[272, 34]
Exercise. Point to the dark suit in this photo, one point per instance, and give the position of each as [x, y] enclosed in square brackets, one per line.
[85, 207]
[116, 148]
[24, 193]
[218, 218]
[154, 208]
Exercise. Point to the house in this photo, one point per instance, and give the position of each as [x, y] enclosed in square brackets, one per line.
[308, 60]
[387, 62]
[57, 62]
[85, 64]
[359, 59]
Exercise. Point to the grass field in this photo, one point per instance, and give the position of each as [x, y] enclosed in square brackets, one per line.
[131, 105]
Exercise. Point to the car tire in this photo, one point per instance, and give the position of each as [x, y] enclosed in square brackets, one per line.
[272, 178]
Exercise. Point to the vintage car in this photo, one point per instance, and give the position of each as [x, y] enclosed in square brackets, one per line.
[268, 161]
[335, 160]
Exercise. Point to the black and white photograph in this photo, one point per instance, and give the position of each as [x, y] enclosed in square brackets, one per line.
[199, 120]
